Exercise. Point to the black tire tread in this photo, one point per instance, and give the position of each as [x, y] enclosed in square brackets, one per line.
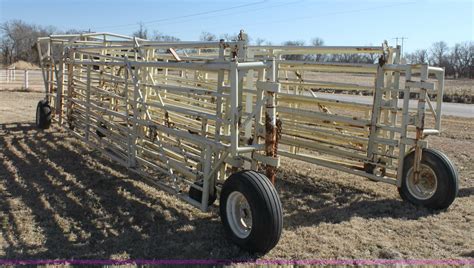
[45, 114]
[438, 201]
[269, 201]
[275, 204]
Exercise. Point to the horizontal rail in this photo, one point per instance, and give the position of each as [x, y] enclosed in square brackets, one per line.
[295, 50]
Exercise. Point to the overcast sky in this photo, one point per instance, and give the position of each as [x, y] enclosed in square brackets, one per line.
[338, 22]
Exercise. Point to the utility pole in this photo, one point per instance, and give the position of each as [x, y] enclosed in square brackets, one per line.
[403, 39]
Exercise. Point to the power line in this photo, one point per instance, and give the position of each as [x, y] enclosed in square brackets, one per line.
[184, 16]
[292, 19]
[330, 14]
[233, 13]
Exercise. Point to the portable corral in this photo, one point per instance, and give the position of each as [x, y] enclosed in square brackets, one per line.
[201, 120]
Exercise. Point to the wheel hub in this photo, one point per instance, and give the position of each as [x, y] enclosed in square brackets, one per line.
[239, 214]
[425, 186]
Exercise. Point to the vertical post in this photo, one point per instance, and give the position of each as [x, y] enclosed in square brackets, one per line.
[43, 70]
[88, 102]
[26, 84]
[51, 82]
[220, 83]
[379, 83]
[404, 126]
[70, 87]
[206, 184]
[59, 98]
[249, 97]
[136, 112]
[234, 112]
[166, 72]
[219, 104]
[439, 98]
[395, 84]
[131, 133]
[270, 123]
[204, 130]
[258, 114]
[420, 123]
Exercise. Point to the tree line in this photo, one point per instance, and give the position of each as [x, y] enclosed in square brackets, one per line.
[458, 61]
[17, 40]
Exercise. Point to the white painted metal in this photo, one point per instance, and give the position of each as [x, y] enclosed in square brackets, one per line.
[225, 106]
[153, 115]
[239, 214]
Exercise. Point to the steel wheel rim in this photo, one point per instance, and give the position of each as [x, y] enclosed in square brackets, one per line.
[426, 186]
[239, 214]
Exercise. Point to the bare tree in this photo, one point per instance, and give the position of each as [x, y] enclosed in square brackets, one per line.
[142, 31]
[419, 56]
[18, 39]
[207, 36]
[317, 42]
[229, 37]
[462, 59]
[6, 46]
[294, 57]
[259, 41]
[439, 51]
[157, 36]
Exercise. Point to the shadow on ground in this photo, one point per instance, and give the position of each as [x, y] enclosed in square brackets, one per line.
[60, 199]
[326, 201]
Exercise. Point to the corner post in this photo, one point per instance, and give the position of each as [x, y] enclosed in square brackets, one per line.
[271, 145]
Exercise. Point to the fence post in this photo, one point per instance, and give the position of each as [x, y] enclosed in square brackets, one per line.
[26, 79]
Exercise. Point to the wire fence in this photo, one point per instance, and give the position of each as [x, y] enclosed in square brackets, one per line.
[27, 80]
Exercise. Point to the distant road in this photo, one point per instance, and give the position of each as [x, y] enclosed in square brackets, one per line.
[455, 109]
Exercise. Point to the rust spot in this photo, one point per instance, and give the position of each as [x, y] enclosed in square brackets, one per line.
[271, 145]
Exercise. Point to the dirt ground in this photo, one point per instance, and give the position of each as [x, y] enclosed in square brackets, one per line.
[60, 199]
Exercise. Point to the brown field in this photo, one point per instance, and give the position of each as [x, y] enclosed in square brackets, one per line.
[455, 90]
[60, 199]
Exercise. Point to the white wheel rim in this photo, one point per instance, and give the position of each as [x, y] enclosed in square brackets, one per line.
[239, 214]
[38, 109]
[426, 185]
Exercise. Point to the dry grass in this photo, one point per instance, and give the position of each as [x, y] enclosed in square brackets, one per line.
[62, 199]
[24, 65]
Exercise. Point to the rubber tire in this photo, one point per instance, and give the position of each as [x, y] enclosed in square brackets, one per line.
[43, 115]
[197, 194]
[267, 216]
[447, 176]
